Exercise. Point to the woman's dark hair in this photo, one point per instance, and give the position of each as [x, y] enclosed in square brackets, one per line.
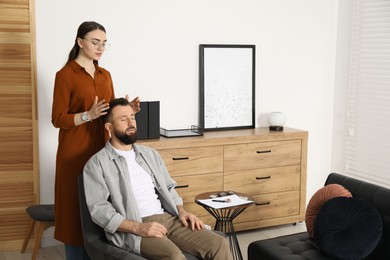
[113, 103]
[84, 28]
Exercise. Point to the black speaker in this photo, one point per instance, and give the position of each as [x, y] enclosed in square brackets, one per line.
[148, 120]
[154, 119]
[142, 121]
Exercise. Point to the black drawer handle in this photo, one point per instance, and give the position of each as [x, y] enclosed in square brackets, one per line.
[182, 186]
[263, 178]
[180, 158]
[262, 203]
[265, 151]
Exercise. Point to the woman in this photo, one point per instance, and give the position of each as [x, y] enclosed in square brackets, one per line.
[82, 91]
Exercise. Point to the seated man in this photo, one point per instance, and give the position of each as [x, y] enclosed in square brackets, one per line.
[131, 195]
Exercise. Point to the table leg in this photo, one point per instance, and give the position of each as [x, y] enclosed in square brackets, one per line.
[234, 245]
[224, 222]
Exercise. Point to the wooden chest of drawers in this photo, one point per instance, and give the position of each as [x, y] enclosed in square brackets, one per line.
[196, 170]
[269, 166]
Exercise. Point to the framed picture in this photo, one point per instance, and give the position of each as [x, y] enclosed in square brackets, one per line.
[227, 87]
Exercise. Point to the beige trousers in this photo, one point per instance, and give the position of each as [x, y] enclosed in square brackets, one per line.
[203, 243]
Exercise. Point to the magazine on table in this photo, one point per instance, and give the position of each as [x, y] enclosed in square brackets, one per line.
[225, 201]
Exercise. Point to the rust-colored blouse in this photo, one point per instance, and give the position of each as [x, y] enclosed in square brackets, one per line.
[74, 92]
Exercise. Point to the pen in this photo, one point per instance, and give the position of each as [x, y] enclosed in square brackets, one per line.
[228, 200]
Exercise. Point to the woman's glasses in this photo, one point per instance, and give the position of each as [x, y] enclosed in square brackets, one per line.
[98, 45]
[226, 193]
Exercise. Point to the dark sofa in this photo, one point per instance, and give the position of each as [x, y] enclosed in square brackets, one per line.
[300, 246]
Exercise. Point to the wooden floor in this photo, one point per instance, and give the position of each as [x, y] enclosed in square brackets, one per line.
[244, 238]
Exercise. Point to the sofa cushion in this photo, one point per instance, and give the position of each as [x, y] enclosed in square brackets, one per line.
[290, 247]
[348, 228]
[318, 199]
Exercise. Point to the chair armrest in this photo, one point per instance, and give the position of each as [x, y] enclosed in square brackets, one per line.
[106, 251]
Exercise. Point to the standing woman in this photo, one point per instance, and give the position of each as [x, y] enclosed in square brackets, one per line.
[82, 91]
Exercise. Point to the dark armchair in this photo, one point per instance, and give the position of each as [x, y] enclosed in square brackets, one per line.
[95, 241]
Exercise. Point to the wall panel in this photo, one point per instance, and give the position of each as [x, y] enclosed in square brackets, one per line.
[19, 182]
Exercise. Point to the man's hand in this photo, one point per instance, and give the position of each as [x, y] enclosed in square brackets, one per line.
[151, 229]
[148, 229]
[186, 217]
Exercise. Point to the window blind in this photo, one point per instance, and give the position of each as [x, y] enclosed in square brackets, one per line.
[368, 119]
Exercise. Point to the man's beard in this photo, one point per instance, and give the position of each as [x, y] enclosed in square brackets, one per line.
[125, 138]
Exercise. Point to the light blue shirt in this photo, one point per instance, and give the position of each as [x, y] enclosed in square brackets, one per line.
[110, 198]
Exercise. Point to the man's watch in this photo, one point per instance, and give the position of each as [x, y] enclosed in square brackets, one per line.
[84, 117]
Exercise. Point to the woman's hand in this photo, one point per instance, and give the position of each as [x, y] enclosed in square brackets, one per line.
[135, 104]
[98, 109]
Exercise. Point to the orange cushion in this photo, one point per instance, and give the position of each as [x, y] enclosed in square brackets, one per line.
[319, 198]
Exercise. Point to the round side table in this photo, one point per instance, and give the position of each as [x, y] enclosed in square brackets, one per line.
[224, 219]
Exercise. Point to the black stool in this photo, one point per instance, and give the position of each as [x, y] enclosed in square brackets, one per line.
[44, 216]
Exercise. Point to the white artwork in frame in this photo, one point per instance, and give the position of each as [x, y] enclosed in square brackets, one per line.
[227, 86]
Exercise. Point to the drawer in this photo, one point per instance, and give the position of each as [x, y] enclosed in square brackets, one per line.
[190, 161]
[190, 186]
[261, 181]
[262, 155]
[273, 205]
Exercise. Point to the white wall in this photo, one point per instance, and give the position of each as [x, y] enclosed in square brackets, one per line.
[154, 55]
